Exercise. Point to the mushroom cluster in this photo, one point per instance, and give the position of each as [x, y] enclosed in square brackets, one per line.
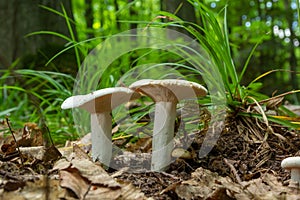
[165, 93]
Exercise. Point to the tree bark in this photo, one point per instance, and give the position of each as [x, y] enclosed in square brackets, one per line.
[19, 18]
[89, 18]
[292, 58]
[183, 9]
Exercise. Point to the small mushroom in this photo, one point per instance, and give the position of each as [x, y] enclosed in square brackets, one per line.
[166, 94]
[100, 104]
[293, 164]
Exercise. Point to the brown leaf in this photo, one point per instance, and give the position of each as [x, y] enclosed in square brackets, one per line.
[142, 145]
[79, 152]
[205, 184]
[52, 154]
[9, 148]
[274, 103]
[32, 135]
[33, 152]
[94, 173]
[61, 165]
[129, 192]
[72, 180]
[98, 192]
[13, 185]
[89, 180]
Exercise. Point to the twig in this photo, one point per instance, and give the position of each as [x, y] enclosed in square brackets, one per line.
[232, 168]
[171, 175]
[9, 157]
[274, 97]
[12, 132]
[10, 176]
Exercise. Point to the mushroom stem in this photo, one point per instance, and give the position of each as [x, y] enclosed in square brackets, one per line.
[295, 174]
[163, 133]
[101, 136]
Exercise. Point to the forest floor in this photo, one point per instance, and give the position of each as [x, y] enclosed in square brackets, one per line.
[245, 163]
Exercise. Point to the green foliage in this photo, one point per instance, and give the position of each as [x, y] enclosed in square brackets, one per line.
[214, 38]
[30, 95]
[238, 37]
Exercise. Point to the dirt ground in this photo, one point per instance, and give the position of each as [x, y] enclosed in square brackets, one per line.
[245, 163]
[246, 153]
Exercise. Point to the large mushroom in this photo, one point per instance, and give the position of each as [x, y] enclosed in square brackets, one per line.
[100, 104]
[166, 94]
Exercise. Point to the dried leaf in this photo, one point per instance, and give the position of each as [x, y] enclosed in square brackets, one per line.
[94, 173]
[33, 152]
[61, 165]
[31, 136]
[13, 185]
[79, 152]
[205, 184]
[88, 180]
[129, 192]
[72, 180]
[9, 148]
[51, 154]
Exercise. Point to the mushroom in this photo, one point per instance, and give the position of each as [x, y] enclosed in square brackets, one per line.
[293, 164]
[166, 94]
[100, 104]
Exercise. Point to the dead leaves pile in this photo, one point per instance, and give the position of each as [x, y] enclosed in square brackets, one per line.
[29, 170]
[88, 180]
[205, 184]
[79, 178]
[75, 176]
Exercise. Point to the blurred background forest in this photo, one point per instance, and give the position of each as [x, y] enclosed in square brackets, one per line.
[33, 31]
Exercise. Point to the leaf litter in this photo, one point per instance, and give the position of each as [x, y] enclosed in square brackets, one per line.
[244, 164]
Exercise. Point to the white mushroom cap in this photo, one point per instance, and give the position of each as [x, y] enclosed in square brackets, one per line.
[169, 89]
[101, 100]
[291, 162]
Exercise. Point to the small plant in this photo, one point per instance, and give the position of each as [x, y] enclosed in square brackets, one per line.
[214, 38]
[27, 103]
[31, 96]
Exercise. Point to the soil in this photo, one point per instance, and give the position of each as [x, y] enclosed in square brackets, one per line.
[247, 150]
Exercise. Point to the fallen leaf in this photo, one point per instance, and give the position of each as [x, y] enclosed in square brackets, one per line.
[88, 180]
[72, 180]
[37, 152]
[94, 173]
[31, 135]
[51, 154]
[205, 184]
[13, 185]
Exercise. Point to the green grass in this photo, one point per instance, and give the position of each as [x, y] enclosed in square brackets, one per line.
[213, 37]
[30, 95]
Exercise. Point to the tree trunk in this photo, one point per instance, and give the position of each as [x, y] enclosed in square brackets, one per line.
[89, 18]
[132, 13]
[292, 59]
[181, 8]
[19, 18]
[117, 17]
